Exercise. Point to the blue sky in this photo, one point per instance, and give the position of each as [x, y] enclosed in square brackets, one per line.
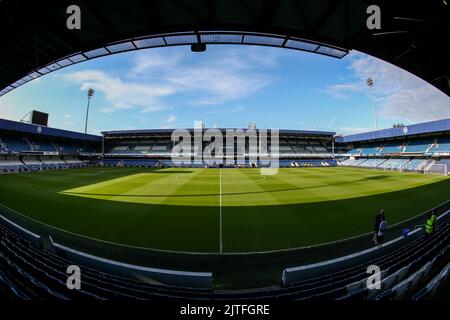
[228, 86]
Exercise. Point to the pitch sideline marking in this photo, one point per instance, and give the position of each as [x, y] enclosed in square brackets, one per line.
[208, 253]
[220, 211]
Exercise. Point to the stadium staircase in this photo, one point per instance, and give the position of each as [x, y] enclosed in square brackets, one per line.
[413, 270]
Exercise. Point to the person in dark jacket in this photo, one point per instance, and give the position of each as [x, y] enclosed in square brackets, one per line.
[378, 219]
[381, 231]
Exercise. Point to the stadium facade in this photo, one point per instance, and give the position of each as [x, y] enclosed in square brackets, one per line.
[421, 147]
[28, 147]
[155, 147]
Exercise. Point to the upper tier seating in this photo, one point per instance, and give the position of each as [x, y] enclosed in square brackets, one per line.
[3, 148]
[66, 148]
[392, 147]
[164, 147]
[370, 149]
[85, 148]
[42, 145]
[425, 146]
[418, 146]
[21, 144]
[354, 151]
[120, 150]
[16, 144]
[442, 145]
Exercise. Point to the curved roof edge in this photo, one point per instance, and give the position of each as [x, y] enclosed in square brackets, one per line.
[182, 39]
[169, 131]
[46, 131]
[414, 129]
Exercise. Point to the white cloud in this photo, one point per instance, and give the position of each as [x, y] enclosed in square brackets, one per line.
[217, 85]
[155, 76]
[418, 104]
[171, 119]
[119, 93]
[237, 108]
[35, 81]
[154, 61]
[340, 91]
[170, 122]
[399, 93]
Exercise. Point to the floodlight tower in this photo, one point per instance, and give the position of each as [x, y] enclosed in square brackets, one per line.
[90, 95]
[370, 85]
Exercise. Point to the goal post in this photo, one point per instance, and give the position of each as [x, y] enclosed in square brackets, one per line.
[437, 168]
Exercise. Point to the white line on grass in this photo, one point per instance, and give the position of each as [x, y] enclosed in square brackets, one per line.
[207, 253]
[220, 210]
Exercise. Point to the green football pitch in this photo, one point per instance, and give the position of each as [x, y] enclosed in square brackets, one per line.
[220, 210]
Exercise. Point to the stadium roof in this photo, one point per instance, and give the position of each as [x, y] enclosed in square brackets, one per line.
[411, 130]
[137, 133]
[46, 131]
[36, 41]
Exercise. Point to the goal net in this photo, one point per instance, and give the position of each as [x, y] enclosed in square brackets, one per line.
[439, 168]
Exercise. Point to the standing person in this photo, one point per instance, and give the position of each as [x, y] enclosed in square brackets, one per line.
[376, 225]
[430, 224]
[381, 231]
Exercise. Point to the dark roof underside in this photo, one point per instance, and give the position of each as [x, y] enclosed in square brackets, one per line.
[414, 33]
